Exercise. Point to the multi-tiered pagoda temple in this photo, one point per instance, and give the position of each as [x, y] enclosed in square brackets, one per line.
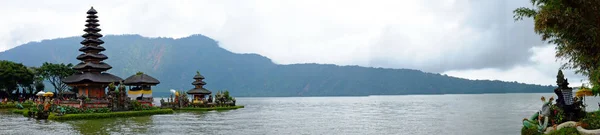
[198, 92]
[92, 79]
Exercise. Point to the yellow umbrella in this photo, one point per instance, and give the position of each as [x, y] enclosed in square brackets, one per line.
[584, 92]
[48, 94]
[176, 93]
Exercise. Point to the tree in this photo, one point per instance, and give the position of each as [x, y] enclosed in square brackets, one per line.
[38, 82]
[39, 86]
[54, 73]
[13, 75]
[573, 26]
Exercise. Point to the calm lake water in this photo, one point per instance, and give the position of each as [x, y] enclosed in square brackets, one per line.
[489, 114]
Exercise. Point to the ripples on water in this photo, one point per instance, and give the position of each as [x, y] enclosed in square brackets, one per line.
[416, 114]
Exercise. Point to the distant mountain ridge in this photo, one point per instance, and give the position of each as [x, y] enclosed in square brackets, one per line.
[175, 61]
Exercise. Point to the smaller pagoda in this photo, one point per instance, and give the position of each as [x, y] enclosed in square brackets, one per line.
[198, 92]
[142, 84]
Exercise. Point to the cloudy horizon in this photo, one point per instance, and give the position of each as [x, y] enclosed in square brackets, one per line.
[466, 39]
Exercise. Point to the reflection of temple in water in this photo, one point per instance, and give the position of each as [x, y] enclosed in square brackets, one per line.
[139, 125]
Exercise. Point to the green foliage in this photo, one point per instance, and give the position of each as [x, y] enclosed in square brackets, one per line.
[28, 102]
[14, 105]
[572, 26]
[139, 73]
[592, 120]
[226, 94]
[13, 75]
[530, 131]
[39, 86]
[18, 111]
[54, 73]
[73, 110]
[596, 90]
[565, 131]
[557, 114]
[108, 115]
[137, 106]
[111, 86]
[25, 113]
[38, 81]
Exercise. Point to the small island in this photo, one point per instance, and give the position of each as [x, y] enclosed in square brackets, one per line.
[96, 93]
[179, 100]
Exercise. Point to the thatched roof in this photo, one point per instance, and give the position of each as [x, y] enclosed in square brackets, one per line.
[141, 79]
[198, 76]
[91, 65]
[92, 11]
[199, 91]
[98, 48]
[198, 83]
[97, 56]
[92, 77]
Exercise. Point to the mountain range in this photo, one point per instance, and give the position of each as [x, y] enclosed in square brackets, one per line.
[175, 61]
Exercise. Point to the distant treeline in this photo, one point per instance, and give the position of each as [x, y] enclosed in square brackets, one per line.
[175, 61]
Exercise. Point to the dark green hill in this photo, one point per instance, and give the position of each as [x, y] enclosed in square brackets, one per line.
[175, 61]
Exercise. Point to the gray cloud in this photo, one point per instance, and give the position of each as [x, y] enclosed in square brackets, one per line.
[485, 37]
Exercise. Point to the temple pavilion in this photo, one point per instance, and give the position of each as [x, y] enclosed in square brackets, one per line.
[142, 84]
[91, 79]
[199, 92]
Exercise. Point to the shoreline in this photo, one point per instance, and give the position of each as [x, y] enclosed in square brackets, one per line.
[85, 116]
[210, 108]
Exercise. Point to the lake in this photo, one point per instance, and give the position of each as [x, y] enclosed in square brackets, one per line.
[491, 114]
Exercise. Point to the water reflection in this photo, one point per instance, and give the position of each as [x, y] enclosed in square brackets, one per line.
[113, 125]
[17, 124]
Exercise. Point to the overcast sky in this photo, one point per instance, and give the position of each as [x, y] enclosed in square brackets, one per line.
[475, 39]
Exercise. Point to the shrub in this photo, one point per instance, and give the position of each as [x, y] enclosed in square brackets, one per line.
[28, 102]
[557, 115]
[529, 131]
[15, 105]
[108, 115]
[18, 111]
[592, 120]
[565, 131]
[136, 105]
[73, 110]
[25, 113]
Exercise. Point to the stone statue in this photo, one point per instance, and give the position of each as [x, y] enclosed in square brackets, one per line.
[541, 117]
[560, 79]
[123, 101]
[565, 99]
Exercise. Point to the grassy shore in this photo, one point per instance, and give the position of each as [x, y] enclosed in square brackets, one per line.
[210, 108]
[563, 131]
[53, 116]
[8, 106]
[18, 111]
